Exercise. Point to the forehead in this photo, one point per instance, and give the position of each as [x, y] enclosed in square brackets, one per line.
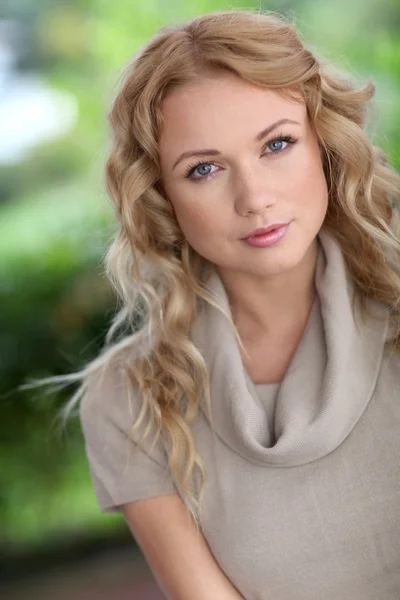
[223, 105]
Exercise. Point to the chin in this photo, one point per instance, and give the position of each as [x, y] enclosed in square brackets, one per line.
[276, 263]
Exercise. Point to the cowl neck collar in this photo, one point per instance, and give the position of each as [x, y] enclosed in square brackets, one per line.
[328, 384]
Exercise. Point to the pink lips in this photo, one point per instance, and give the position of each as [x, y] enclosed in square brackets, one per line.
[261, 230]
[265, 238]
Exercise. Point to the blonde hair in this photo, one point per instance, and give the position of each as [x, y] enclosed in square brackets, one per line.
[159, 277]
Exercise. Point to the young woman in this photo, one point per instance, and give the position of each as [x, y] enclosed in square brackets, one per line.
[249, 428]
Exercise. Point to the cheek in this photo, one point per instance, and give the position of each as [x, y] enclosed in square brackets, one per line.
[204, 226]
[310, 183]
[196, 218]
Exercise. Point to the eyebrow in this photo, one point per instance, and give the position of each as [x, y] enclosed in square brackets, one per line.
[214, 152]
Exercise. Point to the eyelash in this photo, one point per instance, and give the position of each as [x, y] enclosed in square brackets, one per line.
[279, 138]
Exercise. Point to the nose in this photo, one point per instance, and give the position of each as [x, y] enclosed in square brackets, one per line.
[254, 192]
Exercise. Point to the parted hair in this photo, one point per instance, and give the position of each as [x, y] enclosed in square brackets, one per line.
[159, 279]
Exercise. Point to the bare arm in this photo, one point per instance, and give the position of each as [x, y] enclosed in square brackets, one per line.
[178, 556]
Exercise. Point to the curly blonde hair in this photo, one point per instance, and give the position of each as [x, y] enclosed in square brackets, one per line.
[159, 277]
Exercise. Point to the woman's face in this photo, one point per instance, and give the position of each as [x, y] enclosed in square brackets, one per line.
[224, 179]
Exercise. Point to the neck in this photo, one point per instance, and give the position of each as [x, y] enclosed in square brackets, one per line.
[272, 305]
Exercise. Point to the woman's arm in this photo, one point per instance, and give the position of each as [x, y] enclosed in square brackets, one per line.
[178, 556]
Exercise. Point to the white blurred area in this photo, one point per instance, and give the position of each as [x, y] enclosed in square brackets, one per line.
[30, 111]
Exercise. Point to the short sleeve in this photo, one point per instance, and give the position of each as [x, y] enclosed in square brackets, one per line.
[118, 474]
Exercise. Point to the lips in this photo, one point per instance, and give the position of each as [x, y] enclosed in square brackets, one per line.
[266, 240]
[264, 230]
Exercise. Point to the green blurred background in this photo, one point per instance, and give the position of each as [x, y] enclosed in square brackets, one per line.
[60, 63]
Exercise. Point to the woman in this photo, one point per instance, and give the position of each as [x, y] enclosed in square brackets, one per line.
[248, 428]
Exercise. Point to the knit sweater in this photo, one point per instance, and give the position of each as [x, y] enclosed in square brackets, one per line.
[302, 496]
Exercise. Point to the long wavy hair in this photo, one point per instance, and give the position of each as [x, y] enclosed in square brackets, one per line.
[159, 278]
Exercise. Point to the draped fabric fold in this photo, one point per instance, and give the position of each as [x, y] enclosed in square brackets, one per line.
[327, 386]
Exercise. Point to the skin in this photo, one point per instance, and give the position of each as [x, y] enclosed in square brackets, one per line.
[249, 184]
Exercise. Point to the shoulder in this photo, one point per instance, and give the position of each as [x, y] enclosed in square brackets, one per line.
[105, 396]
[112, 404]
[111, 394]
[123, 470]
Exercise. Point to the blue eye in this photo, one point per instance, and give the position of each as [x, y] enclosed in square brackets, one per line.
[203, 169]
[276, 144]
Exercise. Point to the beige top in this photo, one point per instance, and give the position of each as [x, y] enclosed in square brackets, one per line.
[266, 393]
[302, 500]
